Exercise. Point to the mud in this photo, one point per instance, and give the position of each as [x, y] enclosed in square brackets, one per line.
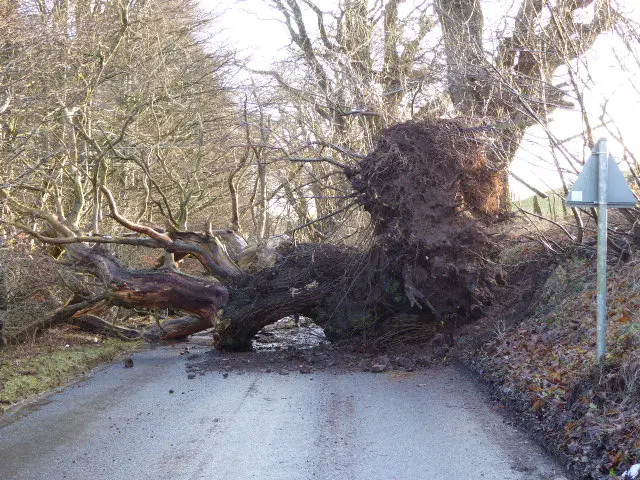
[434, 198]
[284, 348]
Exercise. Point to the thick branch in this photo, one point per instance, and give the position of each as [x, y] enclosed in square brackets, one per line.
[209, 251]
[134, 227]
[151, 288]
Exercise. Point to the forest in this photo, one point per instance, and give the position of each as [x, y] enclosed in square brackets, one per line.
[145, 165]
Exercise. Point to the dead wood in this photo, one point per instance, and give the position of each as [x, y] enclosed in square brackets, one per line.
[177, 329]
[97, 324]
[61, 315]
[160, 289]
[433, 197]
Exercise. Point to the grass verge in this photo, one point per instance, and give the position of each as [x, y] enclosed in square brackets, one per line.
[544, 369]
[52, 361]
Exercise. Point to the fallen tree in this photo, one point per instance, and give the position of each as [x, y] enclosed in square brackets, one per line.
[431, 195]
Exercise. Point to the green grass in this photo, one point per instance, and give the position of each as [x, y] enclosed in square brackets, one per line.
[25, 375]
[551, 207]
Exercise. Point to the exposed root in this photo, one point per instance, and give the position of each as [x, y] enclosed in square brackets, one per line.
[433, 196]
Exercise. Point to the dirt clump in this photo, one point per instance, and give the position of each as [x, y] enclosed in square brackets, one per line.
[433, 196]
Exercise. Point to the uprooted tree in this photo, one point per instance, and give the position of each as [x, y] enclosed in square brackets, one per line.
[129, 134]
[431, 195]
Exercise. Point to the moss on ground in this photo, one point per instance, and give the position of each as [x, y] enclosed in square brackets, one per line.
[30, 370]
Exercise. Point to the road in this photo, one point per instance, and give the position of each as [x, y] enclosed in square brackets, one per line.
[124, 424]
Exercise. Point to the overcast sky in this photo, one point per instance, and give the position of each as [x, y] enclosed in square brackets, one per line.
[255, 30]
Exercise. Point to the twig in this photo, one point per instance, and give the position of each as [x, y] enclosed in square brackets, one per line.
[321, 159]
[340, 210]
[541, 217]
[533, 189]
[342, 150]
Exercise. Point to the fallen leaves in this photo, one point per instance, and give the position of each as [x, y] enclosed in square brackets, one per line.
[547, 365]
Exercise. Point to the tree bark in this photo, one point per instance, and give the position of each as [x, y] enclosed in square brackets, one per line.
[178, 328]
[95, 323]
[159, 289]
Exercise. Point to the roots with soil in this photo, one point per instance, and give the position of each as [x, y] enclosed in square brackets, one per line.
[432, 196]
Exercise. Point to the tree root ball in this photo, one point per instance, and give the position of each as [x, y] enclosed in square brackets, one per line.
[433, 197]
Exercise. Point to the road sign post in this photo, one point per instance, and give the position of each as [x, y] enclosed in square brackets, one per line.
[601, 184]
[601, 315]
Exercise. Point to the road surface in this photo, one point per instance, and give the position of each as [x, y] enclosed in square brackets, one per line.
[124, 424]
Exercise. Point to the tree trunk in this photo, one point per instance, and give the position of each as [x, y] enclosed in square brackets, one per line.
[430, 190]
[432, 195]
[159, 289]
[178, 328]
[304, 280]
[97, 324]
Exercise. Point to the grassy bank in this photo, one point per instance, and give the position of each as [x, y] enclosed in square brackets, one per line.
[543, 368]
[55, 359]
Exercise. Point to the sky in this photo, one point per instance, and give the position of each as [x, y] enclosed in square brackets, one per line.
[255, 30]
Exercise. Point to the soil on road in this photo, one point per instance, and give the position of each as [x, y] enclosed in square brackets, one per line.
[154, 422]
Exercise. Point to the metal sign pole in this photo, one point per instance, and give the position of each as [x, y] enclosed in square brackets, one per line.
[601, 183]
[601, 317]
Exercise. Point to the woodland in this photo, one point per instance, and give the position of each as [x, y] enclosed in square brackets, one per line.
[363, 181]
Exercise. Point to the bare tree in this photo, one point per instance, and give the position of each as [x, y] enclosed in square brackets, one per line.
[371, 64]
[128, 115]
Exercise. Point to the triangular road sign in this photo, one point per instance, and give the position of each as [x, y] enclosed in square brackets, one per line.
[585, 190]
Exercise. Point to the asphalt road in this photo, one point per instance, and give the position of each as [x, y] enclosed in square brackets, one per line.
[124, 424]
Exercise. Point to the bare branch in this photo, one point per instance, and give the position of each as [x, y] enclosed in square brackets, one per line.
[533, 189]
[328, 160]
[143, 229]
